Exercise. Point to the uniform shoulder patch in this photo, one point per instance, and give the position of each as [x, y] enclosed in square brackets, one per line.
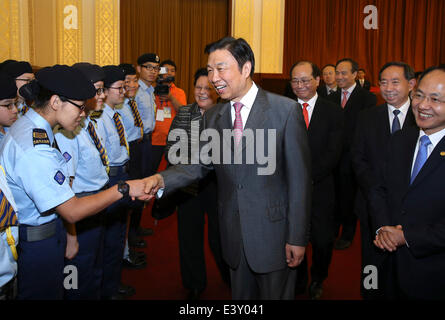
[67, 156]
[39, 136]
[59, 177]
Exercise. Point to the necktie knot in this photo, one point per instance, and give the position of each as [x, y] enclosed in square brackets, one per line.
[305, 105]
[396, 112]
[395, 122]
[238, 106]
[425, 141]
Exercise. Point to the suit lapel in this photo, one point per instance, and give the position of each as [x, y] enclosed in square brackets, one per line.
[316, 113]
[431, 163]
[225, 122]
[407, 153]
[410, 120]
[383, 122]
[352, 97]
[257, 114]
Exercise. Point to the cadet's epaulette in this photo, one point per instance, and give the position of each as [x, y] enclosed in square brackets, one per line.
[96, 114]
[39, 136]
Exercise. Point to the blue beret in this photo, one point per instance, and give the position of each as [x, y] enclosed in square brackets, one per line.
[66, 81]
[148, 57]
[113, 74]
[8, 89]
[93, 72]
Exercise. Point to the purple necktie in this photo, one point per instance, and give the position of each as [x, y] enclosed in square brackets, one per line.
[238, 125]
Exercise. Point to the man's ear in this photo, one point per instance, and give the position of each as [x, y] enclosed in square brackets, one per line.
[247, 67]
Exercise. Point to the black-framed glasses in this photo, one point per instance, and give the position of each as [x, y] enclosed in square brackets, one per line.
[100, 91]
[11, 105]
[121, 89]
[150, 67]
[81, 107]
[302, 81]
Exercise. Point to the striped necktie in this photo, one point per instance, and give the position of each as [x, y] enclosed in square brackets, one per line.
[136, 116]
[238, 124]
[7, 213]
[345, 99]
[120, 131]
[100, 148]
[25, 109]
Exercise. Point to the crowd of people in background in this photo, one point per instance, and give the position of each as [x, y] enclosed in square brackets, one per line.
[80, 147]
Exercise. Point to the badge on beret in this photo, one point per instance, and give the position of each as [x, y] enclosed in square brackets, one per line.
[157, 59]
[67, 156]
[59, 177]
[39, 136]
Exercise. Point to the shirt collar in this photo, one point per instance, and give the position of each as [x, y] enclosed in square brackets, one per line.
[108, 110]
[434, 138]
[403, 109]
[350, 89]
[249, 97]
[144, 87]
[311, 101]
[41, 123]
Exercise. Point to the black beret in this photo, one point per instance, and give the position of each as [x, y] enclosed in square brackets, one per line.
[113, 74]
[66, 81]
[8, 89]
[148, 57]
[93, 72]
[128, 69]
[16, 69]
[6, 62]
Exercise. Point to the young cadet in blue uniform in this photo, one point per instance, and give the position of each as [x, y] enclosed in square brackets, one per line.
[134, 128]
[8, 104]
[37, 175]
[88, 164]
[22, 73]
[9, 234]
[148, 69]
[111, 128]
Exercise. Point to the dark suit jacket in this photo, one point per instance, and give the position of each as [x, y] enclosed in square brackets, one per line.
[420, 209]
[321, 90]
[366, 84]
[261, 212]
[325, 135]
[359, 100]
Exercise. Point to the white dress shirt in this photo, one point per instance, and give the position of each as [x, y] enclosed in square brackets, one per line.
[247, 101]
[310, 107]
[434, 138]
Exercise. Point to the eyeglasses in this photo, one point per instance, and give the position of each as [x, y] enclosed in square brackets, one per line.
[99, 91]
[150, 67]
[11, 105]
[302, 81]
[82, 107]
[419, 97]
[121, 89]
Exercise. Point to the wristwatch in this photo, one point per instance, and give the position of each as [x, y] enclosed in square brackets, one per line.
[123, 188]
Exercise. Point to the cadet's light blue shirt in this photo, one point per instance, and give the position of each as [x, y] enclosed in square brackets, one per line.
[83, 158]
[106, 128]
[133, 132]
[37, 174]
[145, 99]
[8, 266]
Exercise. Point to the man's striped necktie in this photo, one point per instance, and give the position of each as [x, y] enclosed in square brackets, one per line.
[136, 116]
[120, 131]
[7, 213]
[98, 144]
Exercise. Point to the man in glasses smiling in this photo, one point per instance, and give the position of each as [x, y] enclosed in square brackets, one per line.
[21, 72]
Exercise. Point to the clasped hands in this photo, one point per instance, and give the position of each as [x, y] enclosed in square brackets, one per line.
[145, 189]
[389, 238]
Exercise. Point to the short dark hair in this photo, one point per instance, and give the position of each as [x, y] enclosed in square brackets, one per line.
[354, 65]
[201, 72]
[315, 70]
[238, 48]
[328, 65]
[169, 62]
[361, 69]
[407, 70]
[431, 69]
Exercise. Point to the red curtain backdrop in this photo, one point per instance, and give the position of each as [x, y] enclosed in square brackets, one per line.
[174, 29]
[325, 31]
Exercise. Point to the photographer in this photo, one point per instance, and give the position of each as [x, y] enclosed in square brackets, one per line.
[169, 99]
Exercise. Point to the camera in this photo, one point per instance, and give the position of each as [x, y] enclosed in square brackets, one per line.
[162, 84]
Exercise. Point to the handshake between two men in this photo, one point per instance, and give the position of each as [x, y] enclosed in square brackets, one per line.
[145, 189]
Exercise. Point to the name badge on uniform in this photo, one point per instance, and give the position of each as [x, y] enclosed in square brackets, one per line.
[160, 115]
[167, 112]
[67, 156]
[59, 177]
[39, 136]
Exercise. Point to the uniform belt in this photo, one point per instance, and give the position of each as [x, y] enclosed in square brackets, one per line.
[114, 171]
[37, 233]
[147, 136]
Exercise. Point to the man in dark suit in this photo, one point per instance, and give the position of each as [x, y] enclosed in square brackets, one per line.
[324, 120]
[408, 207]
[353, 99]
[374, 128]
[264, 215]
[361, 80]
[329, 85]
